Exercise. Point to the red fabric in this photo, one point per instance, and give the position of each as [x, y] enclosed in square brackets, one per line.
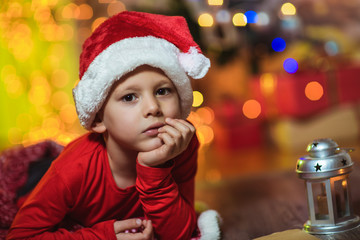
[126, 24]
[14, 163]
[79, 186]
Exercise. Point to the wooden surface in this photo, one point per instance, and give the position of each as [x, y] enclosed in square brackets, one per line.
[262, 204]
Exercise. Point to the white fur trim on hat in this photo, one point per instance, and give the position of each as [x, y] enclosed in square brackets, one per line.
[123, 57]
[209, 225]
[195, 64]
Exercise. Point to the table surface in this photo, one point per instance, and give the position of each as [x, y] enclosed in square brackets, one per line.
[262, 204]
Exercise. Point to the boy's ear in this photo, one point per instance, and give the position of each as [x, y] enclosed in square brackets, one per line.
[98, 125]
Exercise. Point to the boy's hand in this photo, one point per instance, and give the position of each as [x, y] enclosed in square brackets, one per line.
[175, 135]
[134, 229]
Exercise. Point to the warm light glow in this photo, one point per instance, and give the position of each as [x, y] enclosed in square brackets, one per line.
[251, 109]
[60, 78]
[267, 84]
[97, 22]
[115, 7]
[239, 20]
[68, 114]
[215, 2]
[198, 99]
[59, 99]
[195, 119]
[288, 9]
[15, 136]
[205, 20]
[205, 134]
[24, 121]
[51, 126]
[70, 11]
[40, 91]
[86, 12]
[314, 91]
[206, 114]
[213, 175]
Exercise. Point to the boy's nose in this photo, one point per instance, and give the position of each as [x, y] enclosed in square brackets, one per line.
[151, 107]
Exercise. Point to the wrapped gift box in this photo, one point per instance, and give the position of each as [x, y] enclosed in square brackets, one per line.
[290, 97]
[348, 84]
[287, 98]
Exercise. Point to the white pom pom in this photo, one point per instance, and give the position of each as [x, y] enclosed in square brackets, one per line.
[209, 225]
[194, 63]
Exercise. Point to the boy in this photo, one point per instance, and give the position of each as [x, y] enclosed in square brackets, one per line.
[132, 176]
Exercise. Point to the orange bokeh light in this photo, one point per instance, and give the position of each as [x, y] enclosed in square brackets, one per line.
[314, 91]
[251, 109]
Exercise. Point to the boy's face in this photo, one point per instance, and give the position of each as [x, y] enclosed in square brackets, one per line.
[136, 107]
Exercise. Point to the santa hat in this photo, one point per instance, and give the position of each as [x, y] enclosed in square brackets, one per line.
[131, 39]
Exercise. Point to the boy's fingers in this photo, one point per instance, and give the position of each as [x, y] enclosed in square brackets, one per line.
[148, 231]
[180, 124]
[121, 226]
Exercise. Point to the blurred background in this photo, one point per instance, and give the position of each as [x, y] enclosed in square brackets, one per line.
[283, 73]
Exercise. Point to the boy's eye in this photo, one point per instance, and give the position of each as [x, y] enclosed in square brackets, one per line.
[128, 98]
[163, 91]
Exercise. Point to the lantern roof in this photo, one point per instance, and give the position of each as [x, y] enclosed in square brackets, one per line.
[325, 160]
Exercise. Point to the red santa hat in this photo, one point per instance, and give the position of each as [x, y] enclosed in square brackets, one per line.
[131, 39]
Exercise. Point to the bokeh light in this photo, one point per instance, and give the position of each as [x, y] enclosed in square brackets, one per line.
[97, 22]
[263, 19]
[223, 16]
[205, 134]
[251, 109]
[288, 9]
[314, 91]
[239, 20]
[206, 114]
[331, 48]
[251, 16]
[198, 99]
[267, 84]
[290, 65]
[205, 20]
[278, 44]
[115, 7]
[215, 2]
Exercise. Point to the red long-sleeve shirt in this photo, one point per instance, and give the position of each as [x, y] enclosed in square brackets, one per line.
[79, 186]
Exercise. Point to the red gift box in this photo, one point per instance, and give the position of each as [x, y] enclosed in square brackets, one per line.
[290, 95]
[287, 98]
[348, 84]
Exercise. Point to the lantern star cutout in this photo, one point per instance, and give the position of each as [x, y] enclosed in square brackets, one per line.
[344, 162]
[318, 167]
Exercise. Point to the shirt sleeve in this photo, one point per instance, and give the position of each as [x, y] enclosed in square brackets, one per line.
[36, 220]
[167, 195]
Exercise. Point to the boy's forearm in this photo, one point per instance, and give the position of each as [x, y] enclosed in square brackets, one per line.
[171, 211]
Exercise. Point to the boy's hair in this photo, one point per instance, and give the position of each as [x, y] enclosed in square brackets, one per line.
[131, 39]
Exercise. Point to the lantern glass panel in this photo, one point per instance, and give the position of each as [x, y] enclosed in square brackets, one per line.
[320, 201]
[342, 201]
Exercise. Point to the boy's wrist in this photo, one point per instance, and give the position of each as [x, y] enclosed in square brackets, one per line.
[166, 164]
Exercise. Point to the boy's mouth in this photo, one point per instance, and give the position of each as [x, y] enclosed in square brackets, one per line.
[152, 130]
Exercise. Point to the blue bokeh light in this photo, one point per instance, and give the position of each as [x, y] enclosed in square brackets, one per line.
[331, 48]
[278, 44]
[251, 16]
[290, 65]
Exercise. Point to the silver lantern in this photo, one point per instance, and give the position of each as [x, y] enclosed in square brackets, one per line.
[326, 172]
